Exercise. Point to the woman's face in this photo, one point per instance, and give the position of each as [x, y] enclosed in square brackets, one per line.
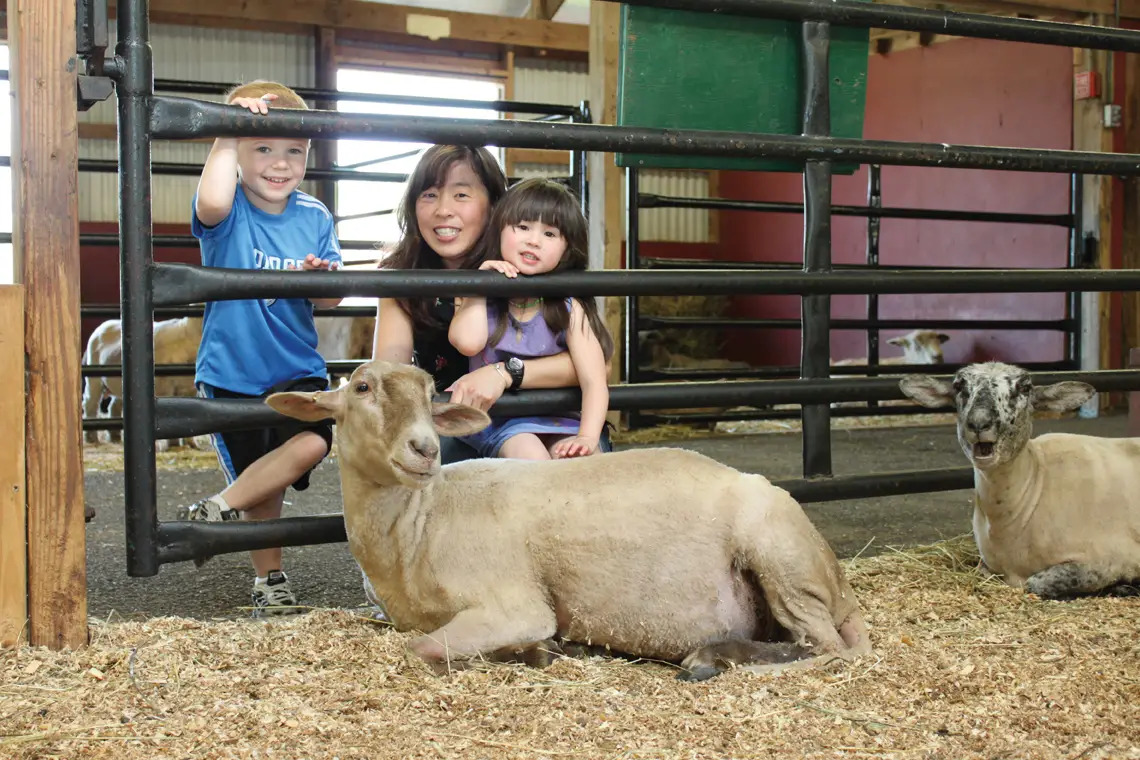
[451, 216]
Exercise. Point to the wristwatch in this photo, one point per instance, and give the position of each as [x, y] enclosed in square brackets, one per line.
[515, 369]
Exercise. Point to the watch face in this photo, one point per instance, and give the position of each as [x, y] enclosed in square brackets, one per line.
[514, 364]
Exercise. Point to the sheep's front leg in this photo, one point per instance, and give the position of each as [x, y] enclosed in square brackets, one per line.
[1069, 579]
[493, 634]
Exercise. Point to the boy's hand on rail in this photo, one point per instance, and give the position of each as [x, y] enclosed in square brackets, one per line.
[255, 105]
[314, 263]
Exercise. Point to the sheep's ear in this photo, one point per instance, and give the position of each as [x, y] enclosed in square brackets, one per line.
[900, 341]
[309, 407]
[928, 391]
[943, 337]
[458, 419]
[1061, 397]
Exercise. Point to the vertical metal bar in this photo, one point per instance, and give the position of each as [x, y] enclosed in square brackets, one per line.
[874, 201]
[136, 87]
[578, 159]
[1073, 300]
[816, 310]
[632, 355]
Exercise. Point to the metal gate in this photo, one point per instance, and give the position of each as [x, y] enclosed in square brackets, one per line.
[146, 285]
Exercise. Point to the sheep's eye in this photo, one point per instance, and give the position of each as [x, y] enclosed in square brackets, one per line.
[1024, 385]
[361, 387]
[959, 385]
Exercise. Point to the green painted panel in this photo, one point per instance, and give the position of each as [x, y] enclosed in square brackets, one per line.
[691, 70]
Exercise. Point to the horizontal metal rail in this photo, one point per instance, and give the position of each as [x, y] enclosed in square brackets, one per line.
[710, 323]
[863, 14]
[334, 366]
[189, 241]
[107, 166]
[183, 118]
[186, 417]
[752, 373]
[648, 201]
[192, 87]
[768, 413]
[776, 266]
[170, 312]
[178, 284]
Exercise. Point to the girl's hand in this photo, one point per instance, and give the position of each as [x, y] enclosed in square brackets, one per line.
[479, 389]
[255, 105]
[510, 270]
[578, 446]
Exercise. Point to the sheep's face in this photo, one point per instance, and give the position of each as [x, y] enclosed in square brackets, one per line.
[387, 425]
[921, 346]
[995, 404]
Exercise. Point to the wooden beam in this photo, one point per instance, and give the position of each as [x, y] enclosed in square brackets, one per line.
[605, 178]
[543, 9]
[46, 237]
[13, 501]
[538, 156]
[376, 17]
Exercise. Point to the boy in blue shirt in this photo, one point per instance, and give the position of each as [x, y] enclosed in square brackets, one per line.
[249, 214]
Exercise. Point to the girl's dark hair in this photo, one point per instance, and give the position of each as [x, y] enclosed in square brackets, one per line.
[413, 252]
[548, 202]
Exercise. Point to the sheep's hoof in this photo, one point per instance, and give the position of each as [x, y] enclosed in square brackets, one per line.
[698, 673]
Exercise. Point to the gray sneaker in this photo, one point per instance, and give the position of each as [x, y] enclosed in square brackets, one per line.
[206, 510]
[273, 596]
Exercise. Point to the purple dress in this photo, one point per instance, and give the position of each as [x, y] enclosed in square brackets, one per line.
[527, 340]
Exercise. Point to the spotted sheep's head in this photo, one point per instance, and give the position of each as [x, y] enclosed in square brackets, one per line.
[995, 404]
[387, 424]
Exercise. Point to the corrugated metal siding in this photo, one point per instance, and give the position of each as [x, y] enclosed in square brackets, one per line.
[567, 83]
[194, 53]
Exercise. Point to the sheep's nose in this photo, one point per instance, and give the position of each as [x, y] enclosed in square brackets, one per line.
[424, 447]
[978, 423]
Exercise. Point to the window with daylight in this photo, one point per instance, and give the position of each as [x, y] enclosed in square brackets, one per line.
[366, 210]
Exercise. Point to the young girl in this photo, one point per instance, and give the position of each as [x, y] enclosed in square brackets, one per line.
[537, 228]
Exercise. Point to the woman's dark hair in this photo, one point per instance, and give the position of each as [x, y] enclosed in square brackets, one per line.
[548, 202]
[413, 252]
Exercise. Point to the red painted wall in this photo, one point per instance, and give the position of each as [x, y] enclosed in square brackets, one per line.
[99, 267]
[964, 92]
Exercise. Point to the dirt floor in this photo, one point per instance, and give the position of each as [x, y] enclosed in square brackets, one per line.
[963, 666]
[326, 576]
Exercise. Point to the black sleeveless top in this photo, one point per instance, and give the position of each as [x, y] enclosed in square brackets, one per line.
[433, 352]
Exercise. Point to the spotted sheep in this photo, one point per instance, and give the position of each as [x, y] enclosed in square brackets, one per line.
[658, 553]
[1058, 515]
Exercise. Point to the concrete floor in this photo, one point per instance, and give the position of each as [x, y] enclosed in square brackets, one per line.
[327, 576]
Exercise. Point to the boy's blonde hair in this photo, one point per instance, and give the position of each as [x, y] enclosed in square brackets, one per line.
[286, 97]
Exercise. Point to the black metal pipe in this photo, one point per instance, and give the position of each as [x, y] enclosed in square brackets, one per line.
[179, 284]
[1073, 300]
[186, 417]
[108, 311]
[334, 366]
[768, 413]
[134, 91]
[652, 323]
[649, 200]
[874, 202]
[183, 118]
[190, 87]
[773, 266]
[815, 309]
[855, 13]
[189, 241]
[789, 371]
[180, 541]
[631, 363]
[195, 170]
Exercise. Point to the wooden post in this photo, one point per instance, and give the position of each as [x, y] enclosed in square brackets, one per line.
[605, 177]
[13, 504]
[41, 34]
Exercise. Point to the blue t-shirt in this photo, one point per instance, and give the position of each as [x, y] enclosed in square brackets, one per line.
[252, 345]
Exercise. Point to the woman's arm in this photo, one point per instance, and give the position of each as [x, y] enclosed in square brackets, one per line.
[394, 338]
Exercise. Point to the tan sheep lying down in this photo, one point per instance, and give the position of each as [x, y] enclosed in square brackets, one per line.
[656, 553]
[1059, 514]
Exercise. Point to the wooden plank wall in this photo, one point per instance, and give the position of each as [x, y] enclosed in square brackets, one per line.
[13, 536]
[46, 235]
